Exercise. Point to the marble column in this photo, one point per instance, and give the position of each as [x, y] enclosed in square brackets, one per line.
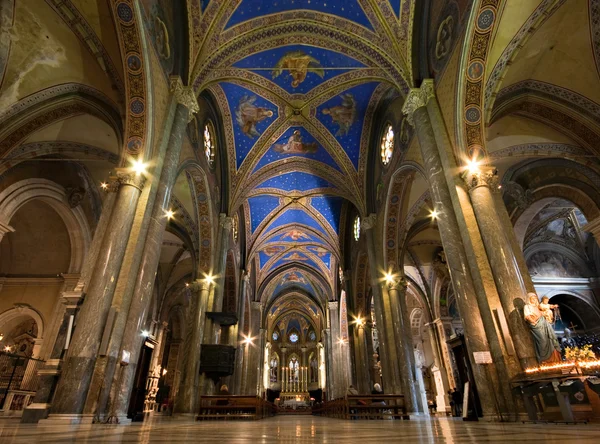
[441, 381]
[338, 383]
[260, 386]
[387, 349]
[239, 354]
[328, 354]
[185, 402]
[50, 371]
[482, 183]
[254, 354]
[475, 332]
[404, 344]
[130, 332]
[93, 318]
[361, 359]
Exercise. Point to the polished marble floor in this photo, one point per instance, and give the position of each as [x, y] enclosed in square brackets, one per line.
[300, 429]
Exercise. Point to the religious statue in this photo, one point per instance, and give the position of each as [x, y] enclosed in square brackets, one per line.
[547, 348]
[294, 370]
[298, 64]
[273, 370]
[547, 309]
[248, 115]
[313, 370]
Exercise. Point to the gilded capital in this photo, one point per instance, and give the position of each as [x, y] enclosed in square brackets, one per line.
[418, 98]
[399, 284]
[199, 285]
[184, 95]
[484, 176]
[368, 222]
[226, 222]
[125, 176]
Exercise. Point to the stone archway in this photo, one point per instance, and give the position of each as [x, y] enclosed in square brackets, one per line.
[16, 317]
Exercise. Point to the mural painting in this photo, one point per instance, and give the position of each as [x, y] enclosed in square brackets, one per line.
[248, 115]
[298, 64]
[295, 145]
[343, 115]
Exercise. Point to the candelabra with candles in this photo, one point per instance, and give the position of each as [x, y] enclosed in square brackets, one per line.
[294, 384]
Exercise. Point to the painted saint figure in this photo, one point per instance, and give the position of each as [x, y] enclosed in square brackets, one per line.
[298, 64]
[343, 115]
[295, 145]
[547, 349]
[248, 115]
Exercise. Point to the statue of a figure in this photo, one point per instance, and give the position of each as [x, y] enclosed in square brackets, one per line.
[547, 348]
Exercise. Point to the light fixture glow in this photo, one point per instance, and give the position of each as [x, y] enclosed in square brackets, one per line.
[104, 185]
[434, 214]
[145, 333]
[7, 348]
[389, 278]
[247, 340]
[138, 167]
[472, 166]
[360, 321]
[209, 278]
[341, 341]
[169, 213]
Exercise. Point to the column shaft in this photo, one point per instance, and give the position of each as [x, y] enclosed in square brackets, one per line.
[505, 268]
[188, 387]
[130, 332]
[92, 320]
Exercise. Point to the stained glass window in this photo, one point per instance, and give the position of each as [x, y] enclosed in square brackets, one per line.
[293, 337]
[387, 145]
[234, 227]
[275, 336]
[312, 336]
[356, 228]
[209, 144]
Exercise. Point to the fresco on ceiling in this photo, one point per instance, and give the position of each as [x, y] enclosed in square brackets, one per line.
[251, 116]
[343, 116]
[552, 264]
[298, 142]
[296, 181]
[293, 278]
[295, 256]
[330, 208]
[296, 217]
[298, 68]
[348, 9]
[261, 207]
[323, 254]
[295, 235]
[396, 7]
[447, 19]
[158, 17]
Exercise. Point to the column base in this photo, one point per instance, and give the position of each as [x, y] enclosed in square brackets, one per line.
[67, 419]
[35, 412]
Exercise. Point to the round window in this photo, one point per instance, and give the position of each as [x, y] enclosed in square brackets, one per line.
[387, 145]
[293, 337]
[209, 144]
[356, 228]
[275, 336]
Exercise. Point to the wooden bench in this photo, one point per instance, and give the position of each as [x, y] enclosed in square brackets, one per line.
[364, 407]
[234, 407]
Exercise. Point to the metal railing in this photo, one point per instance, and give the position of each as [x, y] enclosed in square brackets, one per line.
[18, 380]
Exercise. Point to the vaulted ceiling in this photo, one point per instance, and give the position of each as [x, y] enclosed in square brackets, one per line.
[297, 83]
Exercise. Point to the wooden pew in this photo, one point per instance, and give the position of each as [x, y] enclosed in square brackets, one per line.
[364, 407]
[234, 407]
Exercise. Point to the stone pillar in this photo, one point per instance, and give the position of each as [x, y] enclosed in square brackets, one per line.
[260, 386]
[339, 383]
[475, 329]
[327, 348]
[93, 319]
[131, 331]
[239, 354]
[387, 349]
[404, 344]
[361, 359]
[482, 183]
[254, 354]
[185, 402]
[440, 373]
[50, 371]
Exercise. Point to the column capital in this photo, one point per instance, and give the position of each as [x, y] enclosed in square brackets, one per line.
[226, 222]
[484, 176]
[5, 228]
[184, 95]
[333, 305]
[199, 285]
[398, 284]
[368, 222]
[256, 305]
[125, 176]
[418, 98]
[70, 299]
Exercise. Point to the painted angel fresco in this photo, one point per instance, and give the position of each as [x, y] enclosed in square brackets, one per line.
[270, 251]
[296, 257]
[343, 115]
[296, 235]
[298, 64]
[248, 115]
[293, 277]
[295, 145]
[319, 251]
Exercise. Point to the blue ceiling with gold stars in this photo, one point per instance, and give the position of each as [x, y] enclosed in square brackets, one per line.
[298, 83]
